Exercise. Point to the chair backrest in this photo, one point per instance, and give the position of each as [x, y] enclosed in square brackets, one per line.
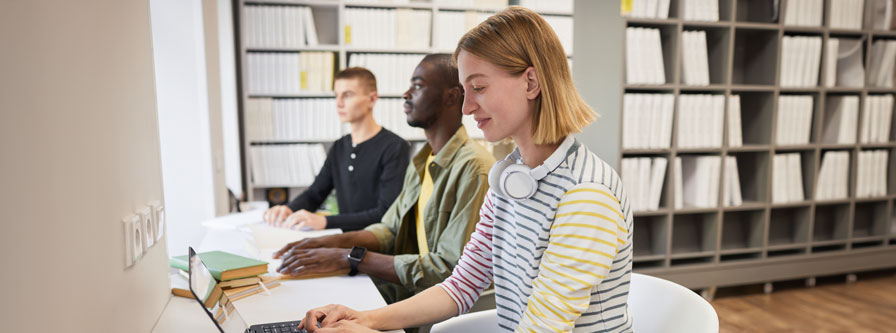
[658, 305]
[482, 321]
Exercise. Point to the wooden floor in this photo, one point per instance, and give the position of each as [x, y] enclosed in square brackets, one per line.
[868, 305]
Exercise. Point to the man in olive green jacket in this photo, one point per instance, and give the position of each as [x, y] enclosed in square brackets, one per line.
[448, 178]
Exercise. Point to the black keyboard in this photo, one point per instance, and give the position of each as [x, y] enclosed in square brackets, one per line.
[284, 327]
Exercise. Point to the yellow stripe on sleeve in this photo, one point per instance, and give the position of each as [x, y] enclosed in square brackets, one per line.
[545, 285]
[594, 215]
[608, 195]
[578, 260]
[583, 283]
[576, 269]
[600, 253]
[597, 240]
[614, 210]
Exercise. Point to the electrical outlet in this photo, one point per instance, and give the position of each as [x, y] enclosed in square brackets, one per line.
[149, 236]
[137, 238]
[158, 218]
[127, 224]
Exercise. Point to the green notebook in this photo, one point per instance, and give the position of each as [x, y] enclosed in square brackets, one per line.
[224, 266]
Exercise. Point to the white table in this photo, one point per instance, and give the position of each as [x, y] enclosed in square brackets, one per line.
[287, 302]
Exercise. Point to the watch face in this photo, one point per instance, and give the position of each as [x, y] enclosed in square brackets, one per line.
[357, 252]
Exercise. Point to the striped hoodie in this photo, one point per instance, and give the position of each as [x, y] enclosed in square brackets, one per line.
[561, 260]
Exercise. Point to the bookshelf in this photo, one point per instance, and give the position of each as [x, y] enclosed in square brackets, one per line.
[758, 241]
[392, 47]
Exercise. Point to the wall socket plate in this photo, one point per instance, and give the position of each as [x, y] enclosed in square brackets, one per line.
[142, 231]
[158, 218]
[133, 243]
[146, 220]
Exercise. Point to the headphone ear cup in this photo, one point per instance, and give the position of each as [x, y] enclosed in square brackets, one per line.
[494, 176]
[517, 182]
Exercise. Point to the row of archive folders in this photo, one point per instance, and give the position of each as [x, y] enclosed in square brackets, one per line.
[290, 73]
[647, 120]
[695, 181]
[292, 119]
[280, 26]
[286, 165]
[691, 10]
[802, 64]
[707, 181]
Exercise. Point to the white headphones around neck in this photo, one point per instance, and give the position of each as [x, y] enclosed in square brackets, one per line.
[512, 179]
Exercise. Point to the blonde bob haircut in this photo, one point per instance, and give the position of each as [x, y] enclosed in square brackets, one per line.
[518, 38]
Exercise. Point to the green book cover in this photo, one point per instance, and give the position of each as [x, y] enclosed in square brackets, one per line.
[219, 262]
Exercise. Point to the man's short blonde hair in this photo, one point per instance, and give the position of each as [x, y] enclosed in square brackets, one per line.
[363, 75]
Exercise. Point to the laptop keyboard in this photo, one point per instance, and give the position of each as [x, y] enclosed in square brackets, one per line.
[287, 327]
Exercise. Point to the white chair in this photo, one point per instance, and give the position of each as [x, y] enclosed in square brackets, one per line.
[658, 305]
[482, 321]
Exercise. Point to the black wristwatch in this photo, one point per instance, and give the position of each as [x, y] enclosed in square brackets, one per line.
[354, 259]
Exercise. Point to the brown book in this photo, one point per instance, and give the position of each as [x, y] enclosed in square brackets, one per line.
[234, 294]
[240, 282]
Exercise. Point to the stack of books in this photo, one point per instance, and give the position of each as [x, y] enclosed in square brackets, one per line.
[695, 60]
[883, 63]
[846, 14]
[844, 66]
[807, 13]
[643, 179]
[696, 180]
[735, 129]
[701, 10]
[841, 120]
[305, 119]
[700, 121]
[647, 120]
[290, 73]
[648, 9]
[289, 165]
[644, 56]
[375, 28]
[393, 71]
[877, 117]
[833, 178]
[452, 25]
[879, 15]
[787, 178]
[731, 193]
[800, 61]
[794, 120]
[237, 276]
[548, 5]
[280, 26]
[872, 173]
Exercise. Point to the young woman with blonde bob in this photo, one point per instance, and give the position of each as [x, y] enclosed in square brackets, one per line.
[555, 231]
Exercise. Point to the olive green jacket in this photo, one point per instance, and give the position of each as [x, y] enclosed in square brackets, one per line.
[460, 180]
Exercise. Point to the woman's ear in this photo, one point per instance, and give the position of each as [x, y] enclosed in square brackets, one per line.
[533, 89]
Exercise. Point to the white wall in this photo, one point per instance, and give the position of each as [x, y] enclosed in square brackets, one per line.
[79, 150]
[184, 129]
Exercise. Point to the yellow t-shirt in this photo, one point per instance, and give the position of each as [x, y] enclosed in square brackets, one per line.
[425, 194]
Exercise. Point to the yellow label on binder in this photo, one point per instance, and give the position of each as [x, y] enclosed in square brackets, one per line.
[626, 7]
[303, 78]
[348, 34]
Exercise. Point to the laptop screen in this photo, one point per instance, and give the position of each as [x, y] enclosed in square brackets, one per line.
[206, 291]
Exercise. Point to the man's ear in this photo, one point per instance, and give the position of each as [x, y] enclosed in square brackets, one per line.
[533, 88]
[452, 96]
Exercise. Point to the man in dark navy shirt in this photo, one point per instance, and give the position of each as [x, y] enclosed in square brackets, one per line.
[365, 167]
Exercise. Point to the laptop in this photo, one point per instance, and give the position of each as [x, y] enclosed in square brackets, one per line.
[203, 287]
